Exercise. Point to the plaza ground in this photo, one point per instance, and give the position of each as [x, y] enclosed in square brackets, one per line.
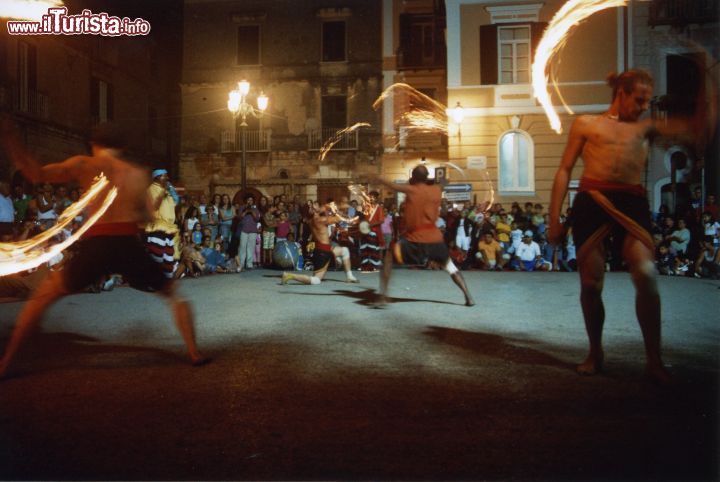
[309, 382]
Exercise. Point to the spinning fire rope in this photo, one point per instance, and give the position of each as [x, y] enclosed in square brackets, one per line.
[31, 253]
[32, 10]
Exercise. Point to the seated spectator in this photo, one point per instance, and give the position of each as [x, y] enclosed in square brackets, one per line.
[191, 262]
[197, 234]
[664, 260]
[711, 227]
[679, 239]
[707, 264]
[214, 259]
[503, 230]
[528, 256]
[489, 254]
[21, 203]
[516, 235]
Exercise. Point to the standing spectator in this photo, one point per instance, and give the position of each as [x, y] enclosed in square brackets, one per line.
[161, 232]
[211, 216]
[538, 218]
[711, 207]
[283, 228]
[62, 201]
[247, 232]
[503, 230]
[294, 218]
[269, 225]
[202, 205]
[21, 203]
[46, 215]
[464, 232]
[679, 239]
[372, 241]
[225, 216]
[7, 212]
[191, 219]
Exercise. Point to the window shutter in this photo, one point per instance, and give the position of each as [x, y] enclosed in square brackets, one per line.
[488, 55]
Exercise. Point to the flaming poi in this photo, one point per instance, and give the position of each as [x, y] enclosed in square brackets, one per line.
[554, 38]
[24, 255]
[31, 10]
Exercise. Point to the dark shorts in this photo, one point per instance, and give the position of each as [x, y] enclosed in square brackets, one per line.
[97, 256]
[420, 254]
[321, 259]
[587, 216]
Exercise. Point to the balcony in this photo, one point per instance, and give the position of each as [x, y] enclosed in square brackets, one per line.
[679, 13]
[255, 141]
[347, 142]
[25, 101]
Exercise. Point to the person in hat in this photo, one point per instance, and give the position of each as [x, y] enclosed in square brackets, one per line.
[161, 233]
[528, 256]
[112, 245]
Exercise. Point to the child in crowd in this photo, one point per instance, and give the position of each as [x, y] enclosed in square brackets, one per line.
[664, 260]
[197, 234]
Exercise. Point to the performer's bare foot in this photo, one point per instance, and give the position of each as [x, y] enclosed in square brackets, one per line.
[591, 366]
[469, 302]
[659, 374]
[380, 302]
[285, 278]
[200, 361]
[351, 279]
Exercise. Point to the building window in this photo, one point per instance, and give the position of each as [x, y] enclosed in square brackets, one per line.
[26, 74]
[514, 54]
[333, 41]
[101, 100]
[516, 166]
[422, 42]
[334, 112]
[248, 52]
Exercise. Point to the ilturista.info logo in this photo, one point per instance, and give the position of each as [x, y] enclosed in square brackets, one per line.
[58, 22]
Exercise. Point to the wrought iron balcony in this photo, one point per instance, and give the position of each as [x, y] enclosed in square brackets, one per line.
[346, 142]
[25, 101]
[680, 13]
[255, 141]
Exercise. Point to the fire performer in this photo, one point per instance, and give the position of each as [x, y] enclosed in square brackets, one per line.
[611, 199]
[113, 245]
[422, 243]
[319, 219]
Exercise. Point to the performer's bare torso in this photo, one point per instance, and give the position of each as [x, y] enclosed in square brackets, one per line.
[131, 182]
[614, 150]
[319, 227]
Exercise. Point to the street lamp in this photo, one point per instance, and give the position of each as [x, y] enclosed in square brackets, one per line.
[240, 109]
[458, 115]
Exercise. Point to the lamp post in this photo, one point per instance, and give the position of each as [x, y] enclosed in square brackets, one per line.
[458, 115]
[240, 109]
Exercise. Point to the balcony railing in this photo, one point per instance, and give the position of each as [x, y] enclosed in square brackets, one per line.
[345, 142]
[255, 141]
[26, 101]
[682, 12]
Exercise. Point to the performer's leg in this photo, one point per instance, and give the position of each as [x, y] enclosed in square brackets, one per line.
[592, 273]
[457, 277]
[647, 304]
[344, 254]
[184, 321]
[49, 291]
[315, 279]
[385, 279]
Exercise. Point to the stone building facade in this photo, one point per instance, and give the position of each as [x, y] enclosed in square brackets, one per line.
[319, 64]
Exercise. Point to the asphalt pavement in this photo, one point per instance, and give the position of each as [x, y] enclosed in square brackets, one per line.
[311, 383]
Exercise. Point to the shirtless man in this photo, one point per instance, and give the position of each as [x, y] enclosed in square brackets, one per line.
[611, 198]
[422, 243]
[324, 253]
[112, 245]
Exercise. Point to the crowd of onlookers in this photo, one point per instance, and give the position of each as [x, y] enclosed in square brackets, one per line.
[216, 234]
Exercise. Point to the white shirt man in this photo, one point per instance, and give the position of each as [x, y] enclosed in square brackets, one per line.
[528, 256]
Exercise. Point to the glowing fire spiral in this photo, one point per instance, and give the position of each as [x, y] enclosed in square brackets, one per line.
[32, 10]
[338, 137]
[565, 20]
[28, 254]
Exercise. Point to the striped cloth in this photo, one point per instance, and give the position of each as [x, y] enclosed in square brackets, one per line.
[161, 248]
